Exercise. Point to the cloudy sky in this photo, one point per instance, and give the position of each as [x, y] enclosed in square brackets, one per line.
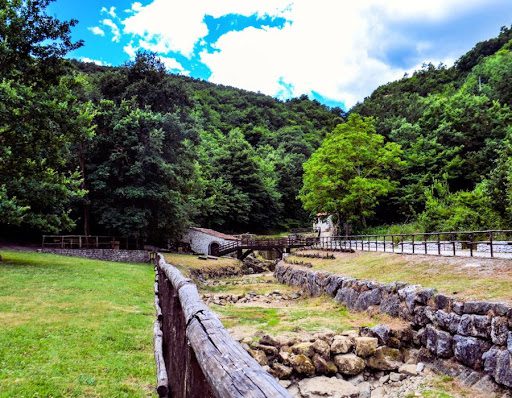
[336, 51]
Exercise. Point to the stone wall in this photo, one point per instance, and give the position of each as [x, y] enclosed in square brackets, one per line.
[477, 334]
[122, 256]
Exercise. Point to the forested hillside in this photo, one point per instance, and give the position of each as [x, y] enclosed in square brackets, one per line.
[137, 152]
[454, 128]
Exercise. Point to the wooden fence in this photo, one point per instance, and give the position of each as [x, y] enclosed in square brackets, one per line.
[196, 357]
[492, 243]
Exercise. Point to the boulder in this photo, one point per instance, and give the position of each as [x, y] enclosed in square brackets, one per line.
[259, 356]
[382, 332]
[323, 348]
[469, 350]
[499, 330]
[341, 345]
[284, 354]
[390, 305]
[439, 342]
[423, 315]
[321, 387]
[347, 296]
[302, 364]
[498, 364]
[281, 371]
[324, 366]
[448, 321]
[269, 340]
[349, 364]
[408, 369]
[367, 299]
[475, 326]
[304, 348]
[267, 349]
[443, 302]
[334, 282]
[365, 346]
[477, 307]
[509, 342]
[385, 358]
[365, 390]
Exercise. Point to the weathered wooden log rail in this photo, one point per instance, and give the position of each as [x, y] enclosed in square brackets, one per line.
[195, 355]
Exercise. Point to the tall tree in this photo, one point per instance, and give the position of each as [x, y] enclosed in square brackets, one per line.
[348, 174]
[40, 118]
[139, 173]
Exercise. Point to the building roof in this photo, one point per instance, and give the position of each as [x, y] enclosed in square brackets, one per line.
[212, 232]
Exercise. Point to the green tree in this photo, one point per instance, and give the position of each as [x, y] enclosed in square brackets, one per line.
[140, 173]
[348, 174]
[40, 118]
[459, 211]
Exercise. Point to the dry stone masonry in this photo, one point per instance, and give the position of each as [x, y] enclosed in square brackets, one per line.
[477, 334]
[123, 256]
[349, 364]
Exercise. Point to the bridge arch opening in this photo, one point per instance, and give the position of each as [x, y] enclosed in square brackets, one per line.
[213, 249]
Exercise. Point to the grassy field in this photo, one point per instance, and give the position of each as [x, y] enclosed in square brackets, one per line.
[301, 315]
[186, 262]
[73, 327]
[464, 277]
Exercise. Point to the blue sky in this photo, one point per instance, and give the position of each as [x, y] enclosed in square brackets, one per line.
[335, 51]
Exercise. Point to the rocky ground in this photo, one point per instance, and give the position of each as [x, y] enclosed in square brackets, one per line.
[349, 364]
[380, 361]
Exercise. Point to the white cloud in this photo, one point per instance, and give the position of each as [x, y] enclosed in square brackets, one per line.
[332, 47]
[96, 30]
[94, 61]
[116, 32]
[177, 26]
[111, 11]
[174, 66]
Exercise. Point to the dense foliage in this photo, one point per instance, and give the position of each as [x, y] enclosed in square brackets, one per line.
[139, 153]
[350, 171]
[454, 126]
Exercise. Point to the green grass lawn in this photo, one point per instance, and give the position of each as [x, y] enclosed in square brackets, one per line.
[71, 327]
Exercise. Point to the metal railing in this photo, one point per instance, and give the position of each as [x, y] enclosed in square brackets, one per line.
[491, 243]
[79, 242]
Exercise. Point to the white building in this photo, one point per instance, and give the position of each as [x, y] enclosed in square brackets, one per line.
[206, 241]
[324, 225]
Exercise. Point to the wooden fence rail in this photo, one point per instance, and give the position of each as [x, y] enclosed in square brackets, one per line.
[200, 357]
[491, 243]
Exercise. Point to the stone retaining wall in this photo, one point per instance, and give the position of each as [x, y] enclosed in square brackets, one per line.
[122, 256]
[475, 333]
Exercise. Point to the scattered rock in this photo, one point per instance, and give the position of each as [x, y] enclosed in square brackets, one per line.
[323, 366]
[366, 346]
[322, 348]
[394, 377]
[259, 356]
[341, 345]
[365, 390]
[302, 364]
[408, 369]
[385, 358]
[320, 387]
[349, 364]
[281, 371]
